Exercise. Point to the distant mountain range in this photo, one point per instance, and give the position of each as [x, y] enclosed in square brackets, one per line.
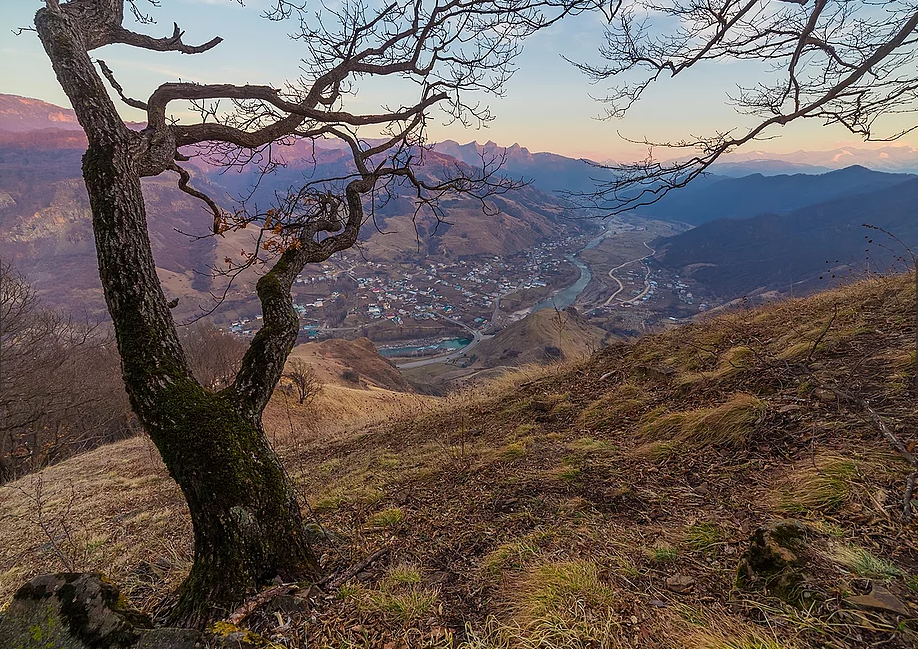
[755, 233]
[45, 220]
[707, 199]
[735, 257]
[898, 158]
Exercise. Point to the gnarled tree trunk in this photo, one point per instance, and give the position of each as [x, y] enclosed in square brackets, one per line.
[248, 527]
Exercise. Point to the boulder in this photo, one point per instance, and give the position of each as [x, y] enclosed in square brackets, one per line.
[82, 611]
[86, 611]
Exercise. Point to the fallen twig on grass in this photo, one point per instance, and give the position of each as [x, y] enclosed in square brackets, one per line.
[265, 596]
[896, 443]
[335, 582]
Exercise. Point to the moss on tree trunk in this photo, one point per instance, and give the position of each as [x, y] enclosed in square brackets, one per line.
[247, 524]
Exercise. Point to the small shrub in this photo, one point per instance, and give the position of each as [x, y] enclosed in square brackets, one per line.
[387, 517]
[350, 376]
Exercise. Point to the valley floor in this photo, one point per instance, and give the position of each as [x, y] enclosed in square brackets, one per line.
[603, 504]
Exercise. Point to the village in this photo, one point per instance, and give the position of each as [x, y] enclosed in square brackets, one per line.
[350, 293]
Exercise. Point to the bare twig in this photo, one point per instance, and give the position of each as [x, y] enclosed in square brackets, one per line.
[823, 334]
[334, 583]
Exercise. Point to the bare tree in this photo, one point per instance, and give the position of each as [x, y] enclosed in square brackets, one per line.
[214, 356]
[843, 62]
[59, 389]
[247, 524]
[303, 377]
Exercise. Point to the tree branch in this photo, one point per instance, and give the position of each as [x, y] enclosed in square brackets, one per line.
[168, 44]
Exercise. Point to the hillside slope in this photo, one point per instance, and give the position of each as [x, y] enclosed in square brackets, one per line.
[543, 336]
[332, 359]
[608, 503]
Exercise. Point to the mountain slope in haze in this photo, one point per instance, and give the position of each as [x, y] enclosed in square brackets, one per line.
[758, 194]
[765, 166]
[45, 224]
[523, 217]
[734, 257]
[21, 114]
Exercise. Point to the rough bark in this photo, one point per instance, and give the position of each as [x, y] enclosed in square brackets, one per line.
[247, 525]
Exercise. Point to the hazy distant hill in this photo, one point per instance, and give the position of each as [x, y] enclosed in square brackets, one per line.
[20, 114]
[766, 167]
[734, 257]
[899, 158]
[712, 199]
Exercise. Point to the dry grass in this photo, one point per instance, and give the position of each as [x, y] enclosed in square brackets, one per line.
[729, 423]
[864, 563]
[823, 487]
[614, 409]
[569, 542]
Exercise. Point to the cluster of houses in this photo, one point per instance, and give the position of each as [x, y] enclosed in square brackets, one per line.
[464, 290]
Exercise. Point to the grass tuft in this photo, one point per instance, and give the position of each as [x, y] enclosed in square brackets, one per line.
[730, 423]
[865, 564]
[387, 518]
[558, 589]
[825, 487]
[663, 553]
[703, 536]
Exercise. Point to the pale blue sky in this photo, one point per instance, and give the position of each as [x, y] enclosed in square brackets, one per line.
[547, 105]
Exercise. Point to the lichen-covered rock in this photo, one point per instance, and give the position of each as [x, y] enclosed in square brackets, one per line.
[81, 611]
[169, 639]
[70, 611]
[772, 562]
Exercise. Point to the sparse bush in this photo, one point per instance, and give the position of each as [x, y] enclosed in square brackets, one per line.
[214, 356]
[350, 376]
[61, 391]
[304, 380]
